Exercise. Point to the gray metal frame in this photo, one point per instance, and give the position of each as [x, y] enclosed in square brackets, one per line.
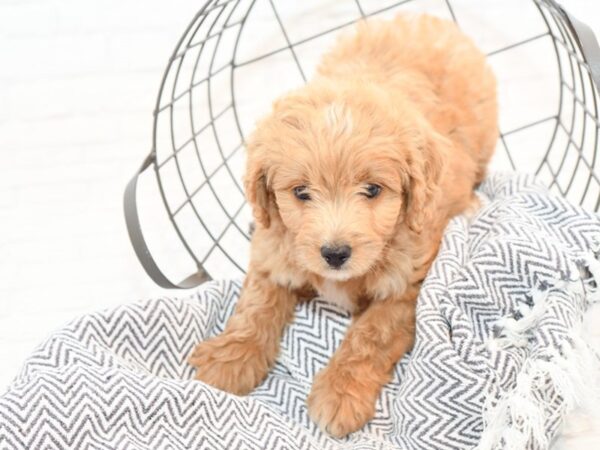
[573, 36]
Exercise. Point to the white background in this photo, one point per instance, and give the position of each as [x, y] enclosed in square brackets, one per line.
[78, 82]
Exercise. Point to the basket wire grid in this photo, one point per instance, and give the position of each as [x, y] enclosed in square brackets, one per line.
[208, 103]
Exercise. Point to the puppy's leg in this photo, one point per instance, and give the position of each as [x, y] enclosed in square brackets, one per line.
[473, 207]
[343, 395]
[239, 359]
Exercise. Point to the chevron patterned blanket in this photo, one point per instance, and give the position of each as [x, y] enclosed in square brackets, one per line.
[498, 359]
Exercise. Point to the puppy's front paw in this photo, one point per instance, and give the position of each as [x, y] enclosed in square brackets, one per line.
[230, 364]
[340, 404]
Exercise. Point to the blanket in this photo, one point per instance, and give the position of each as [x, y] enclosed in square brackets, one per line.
[497, 363]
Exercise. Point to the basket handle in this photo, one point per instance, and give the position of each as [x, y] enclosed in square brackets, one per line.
[136, 237]
[587, 43]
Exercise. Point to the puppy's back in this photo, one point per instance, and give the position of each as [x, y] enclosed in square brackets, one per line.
[434, 64]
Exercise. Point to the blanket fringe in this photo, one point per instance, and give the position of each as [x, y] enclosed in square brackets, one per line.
[517, 420]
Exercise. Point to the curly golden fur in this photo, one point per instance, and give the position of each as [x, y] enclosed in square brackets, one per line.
[408, 106]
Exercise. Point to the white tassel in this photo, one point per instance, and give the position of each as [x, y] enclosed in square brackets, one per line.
[517, 419]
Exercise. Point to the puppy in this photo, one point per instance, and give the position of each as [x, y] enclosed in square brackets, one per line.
[352, 180]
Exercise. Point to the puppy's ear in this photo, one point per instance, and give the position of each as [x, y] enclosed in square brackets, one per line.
[257, 192]
[425, 168]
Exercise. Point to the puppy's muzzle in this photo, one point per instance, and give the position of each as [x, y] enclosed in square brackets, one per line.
[336, 256]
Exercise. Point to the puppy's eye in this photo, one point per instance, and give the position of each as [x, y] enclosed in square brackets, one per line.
[372, 190]
[301, 193]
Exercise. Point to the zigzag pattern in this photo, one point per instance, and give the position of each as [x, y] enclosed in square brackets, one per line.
[118, 379]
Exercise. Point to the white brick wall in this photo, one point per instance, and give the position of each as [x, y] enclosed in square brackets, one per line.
[78, 82]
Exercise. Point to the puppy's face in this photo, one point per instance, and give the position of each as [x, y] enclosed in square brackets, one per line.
[341, 201]
[341, 168]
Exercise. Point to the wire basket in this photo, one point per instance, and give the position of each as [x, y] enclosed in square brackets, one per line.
[237, 56]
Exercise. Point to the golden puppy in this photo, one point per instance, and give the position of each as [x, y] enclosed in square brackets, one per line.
[352, 180]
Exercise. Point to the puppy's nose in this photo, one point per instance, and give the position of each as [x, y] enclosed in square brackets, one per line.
[336, 256]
